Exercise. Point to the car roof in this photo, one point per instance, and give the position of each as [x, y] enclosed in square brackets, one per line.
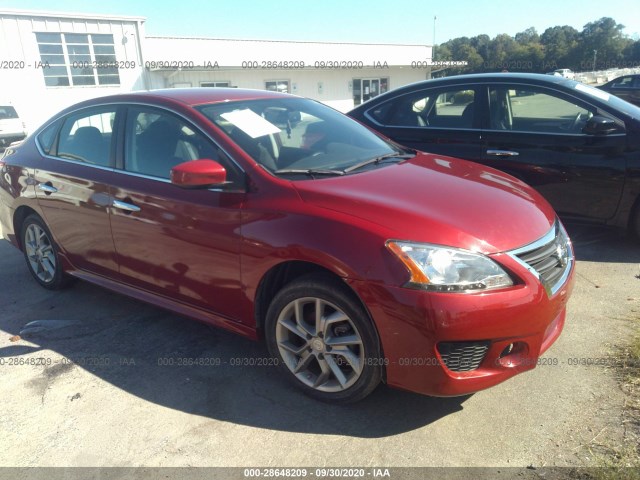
[185, 96]
[202, 95]
[492, 77]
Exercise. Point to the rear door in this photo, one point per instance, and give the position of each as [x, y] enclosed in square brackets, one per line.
[535, 134]
[441, 120]
[176, 242]
[72, 186]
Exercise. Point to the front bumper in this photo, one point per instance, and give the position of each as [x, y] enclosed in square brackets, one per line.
[517, 324]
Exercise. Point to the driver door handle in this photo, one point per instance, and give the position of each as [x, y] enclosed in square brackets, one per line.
[502, 153]
[47, 188]
[127, 207]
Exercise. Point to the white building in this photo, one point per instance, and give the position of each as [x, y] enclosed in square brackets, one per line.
[339, 74]
[49, 60]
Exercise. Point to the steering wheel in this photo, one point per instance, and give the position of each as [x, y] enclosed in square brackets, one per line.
[576, 122]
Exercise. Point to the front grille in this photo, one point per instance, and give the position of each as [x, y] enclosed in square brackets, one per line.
[462, 356]
[550, 258]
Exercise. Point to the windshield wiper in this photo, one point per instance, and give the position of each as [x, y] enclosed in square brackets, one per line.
[377, 160]
[310, 172]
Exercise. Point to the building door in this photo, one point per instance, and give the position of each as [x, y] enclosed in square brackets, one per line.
[366, 88]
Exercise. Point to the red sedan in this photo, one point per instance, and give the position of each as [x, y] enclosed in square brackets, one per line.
[358, 261]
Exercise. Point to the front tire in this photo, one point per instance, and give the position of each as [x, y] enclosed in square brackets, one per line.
[324, 340]
[41, 254]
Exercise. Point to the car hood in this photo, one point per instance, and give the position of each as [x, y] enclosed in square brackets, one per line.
[440, 200]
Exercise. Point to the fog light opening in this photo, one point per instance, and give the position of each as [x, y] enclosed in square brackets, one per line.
[508, 349]
[513, 354]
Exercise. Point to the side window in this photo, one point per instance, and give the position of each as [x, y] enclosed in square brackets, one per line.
[86, 137]
[528, 109]
[450, 108]
[623, 82]
[47, 137]
[157, 141]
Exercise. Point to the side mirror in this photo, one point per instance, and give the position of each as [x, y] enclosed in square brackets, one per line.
[599, 125]
[198, 174]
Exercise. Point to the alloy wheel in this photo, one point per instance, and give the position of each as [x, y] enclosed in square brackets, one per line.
[320, 344]
[40, 253]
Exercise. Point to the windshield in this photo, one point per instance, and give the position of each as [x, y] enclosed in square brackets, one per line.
[294, 136]
[7, 112]
[616, 102]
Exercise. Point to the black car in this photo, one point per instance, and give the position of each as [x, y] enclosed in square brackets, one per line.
[626, 87]
[577, 145]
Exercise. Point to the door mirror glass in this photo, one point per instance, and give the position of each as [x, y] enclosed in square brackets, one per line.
[198, 174]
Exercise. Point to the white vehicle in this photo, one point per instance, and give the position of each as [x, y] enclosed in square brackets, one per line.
[565, 72]
[12, 129]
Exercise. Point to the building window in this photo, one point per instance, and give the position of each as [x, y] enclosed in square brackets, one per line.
[78, 59]
[215, 84]
[366, 88]
[281, 86]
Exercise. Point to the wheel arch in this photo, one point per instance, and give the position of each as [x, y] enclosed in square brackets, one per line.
[286, 272]
[19, 217]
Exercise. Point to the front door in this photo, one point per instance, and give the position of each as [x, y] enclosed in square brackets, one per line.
[173, 241]
[536, 135]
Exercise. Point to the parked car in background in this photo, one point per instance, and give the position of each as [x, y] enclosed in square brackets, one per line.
[626, 87]
[355, 259]
[12, 129]
[577, 145]
[566, 73]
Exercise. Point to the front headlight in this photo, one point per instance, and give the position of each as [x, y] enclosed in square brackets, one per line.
[446, 269]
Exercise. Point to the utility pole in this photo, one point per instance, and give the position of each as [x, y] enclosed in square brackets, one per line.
[433, 48]
[595, 52]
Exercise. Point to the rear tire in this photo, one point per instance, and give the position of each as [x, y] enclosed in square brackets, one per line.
[323, 340]
[41, 254]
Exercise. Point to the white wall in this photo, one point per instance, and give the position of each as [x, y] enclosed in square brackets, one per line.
[25, 88]
[328, 86]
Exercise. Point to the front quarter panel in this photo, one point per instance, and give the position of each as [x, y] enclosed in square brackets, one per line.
[278, 229]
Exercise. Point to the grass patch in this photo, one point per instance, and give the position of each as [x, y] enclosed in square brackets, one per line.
[621, 460]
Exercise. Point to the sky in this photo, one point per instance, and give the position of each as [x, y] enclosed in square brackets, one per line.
[361, 21]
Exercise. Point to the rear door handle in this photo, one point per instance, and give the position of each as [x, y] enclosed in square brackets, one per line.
[502, 153]
[128, 207]
[47, 188]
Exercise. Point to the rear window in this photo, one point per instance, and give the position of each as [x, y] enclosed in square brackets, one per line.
[7, 112]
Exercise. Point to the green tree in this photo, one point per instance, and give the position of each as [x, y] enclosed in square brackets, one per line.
[560, 47]
[529, 36]
[557, 47]
[501, 50]
[481, 44]
[632, 54]
[606, 37]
